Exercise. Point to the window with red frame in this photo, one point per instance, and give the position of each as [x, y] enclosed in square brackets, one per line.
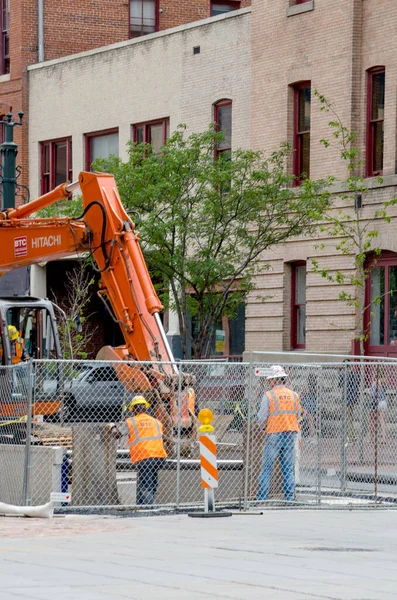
[223, 122]
[375, 121]
[101, 144]
[144, 17]
[5, 37]
[154, 133]
[298, 308]
[56, 163]
[302, 102]
[301, 1]
[219, 8]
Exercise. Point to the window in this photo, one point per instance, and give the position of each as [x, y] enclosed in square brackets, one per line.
[381, 299]
[219, 8]
[223, 122]
[5, 37]
[56, 163]
[101, 144]
[302, 101]
[301, 1]
[298, 316]
[154, 133]
[375, 121]
[143, 17]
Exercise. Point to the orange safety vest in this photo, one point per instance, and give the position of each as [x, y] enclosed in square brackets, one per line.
[146, 438]
[283, 410]
[17, 350]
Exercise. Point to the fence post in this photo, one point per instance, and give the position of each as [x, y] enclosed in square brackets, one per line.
[319, 437]
[27, 492]
[343, 447]
[362, 416]
[178, 447]
[376, 435]
[247, 453]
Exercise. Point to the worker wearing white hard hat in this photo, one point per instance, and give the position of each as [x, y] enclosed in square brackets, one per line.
[278, 415]
[143, 436]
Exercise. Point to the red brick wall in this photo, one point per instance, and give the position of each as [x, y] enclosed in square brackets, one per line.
[177, 12]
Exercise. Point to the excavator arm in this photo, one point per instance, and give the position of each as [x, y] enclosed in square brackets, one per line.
[107, 234]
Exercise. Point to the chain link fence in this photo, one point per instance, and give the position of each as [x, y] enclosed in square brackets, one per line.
[76, 440]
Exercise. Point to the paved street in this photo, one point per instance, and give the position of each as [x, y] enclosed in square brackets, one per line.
[295, 555]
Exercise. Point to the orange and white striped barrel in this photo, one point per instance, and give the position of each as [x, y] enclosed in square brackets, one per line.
[209, 469]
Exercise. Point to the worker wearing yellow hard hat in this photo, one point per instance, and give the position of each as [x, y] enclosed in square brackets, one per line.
[17, 345]
[143, 436]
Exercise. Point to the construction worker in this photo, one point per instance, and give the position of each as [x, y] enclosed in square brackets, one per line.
[278, 415]
[17, 345]
[143, 435]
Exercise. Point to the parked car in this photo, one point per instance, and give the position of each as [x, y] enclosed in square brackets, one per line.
[95, 394]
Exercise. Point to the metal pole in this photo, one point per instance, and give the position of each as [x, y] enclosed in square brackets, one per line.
[178, 448]
[9, 151]
[318, 432]
[376, 435]
[361, 441]
[27, 466]
[247, 453]
[343, 447]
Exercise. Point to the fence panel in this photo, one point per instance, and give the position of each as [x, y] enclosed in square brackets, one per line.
[343, 455]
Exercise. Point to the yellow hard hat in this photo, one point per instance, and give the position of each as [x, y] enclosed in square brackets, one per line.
[138, 400]
[12, 332]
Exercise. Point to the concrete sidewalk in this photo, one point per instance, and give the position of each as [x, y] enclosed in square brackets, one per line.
[280, 555]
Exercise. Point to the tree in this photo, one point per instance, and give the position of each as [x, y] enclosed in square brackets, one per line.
[73, 336]
[205, 223]
[356, 235]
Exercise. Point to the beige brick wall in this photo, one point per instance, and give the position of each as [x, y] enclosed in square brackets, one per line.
[140, 80]
[332, 46]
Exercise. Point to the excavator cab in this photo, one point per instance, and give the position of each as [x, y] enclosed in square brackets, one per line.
[35, 323]
[32, 320]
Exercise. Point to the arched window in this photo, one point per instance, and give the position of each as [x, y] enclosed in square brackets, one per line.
[223, 122]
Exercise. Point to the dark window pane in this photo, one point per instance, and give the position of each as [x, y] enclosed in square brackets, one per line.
[305, 154]
[304, 97]
[60, 163]
[393, 305]
[378, 95]
[217, 8]
[378, 146]
[139, 134]
[377, 308]
[225, 125]
[301, 326]
[46, 158]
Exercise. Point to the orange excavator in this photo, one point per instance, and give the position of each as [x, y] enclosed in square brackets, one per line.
[104, 231]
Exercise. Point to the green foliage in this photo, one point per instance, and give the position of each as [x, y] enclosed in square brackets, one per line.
[205, 223]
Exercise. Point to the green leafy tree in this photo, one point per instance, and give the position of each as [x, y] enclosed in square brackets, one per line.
[353, 227]
[205, 223]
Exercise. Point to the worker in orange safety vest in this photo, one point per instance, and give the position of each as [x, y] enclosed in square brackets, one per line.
[279, 415]
[143, 435]
[17, 345]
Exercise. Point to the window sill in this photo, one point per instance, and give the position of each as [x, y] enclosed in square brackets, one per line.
[4, 78]
[298, 9]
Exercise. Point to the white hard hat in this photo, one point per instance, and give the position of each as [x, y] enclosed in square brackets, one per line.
[276, 372]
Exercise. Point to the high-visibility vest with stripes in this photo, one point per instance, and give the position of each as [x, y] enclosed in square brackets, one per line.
[146, 438]
[17, 350]
[283, 410]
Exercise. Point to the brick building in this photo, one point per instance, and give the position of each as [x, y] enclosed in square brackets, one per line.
[266, 62]
[347, 51]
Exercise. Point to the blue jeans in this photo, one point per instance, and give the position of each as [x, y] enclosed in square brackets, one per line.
[148, 479]
[280, 445]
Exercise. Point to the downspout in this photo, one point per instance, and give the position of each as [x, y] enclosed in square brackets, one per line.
[40, 19]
